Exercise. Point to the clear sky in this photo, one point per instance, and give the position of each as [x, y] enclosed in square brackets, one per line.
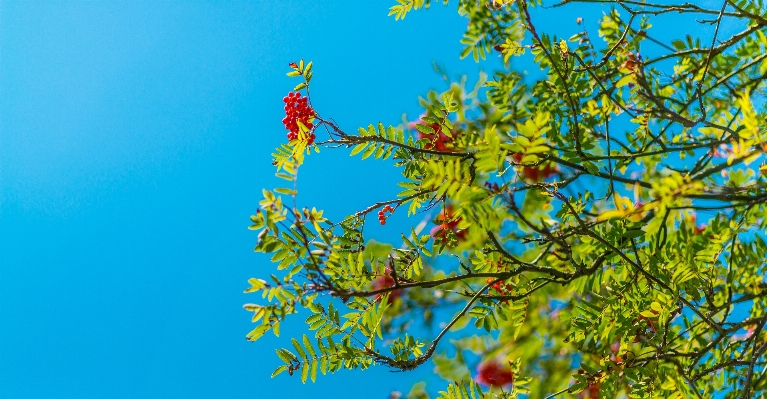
[135, 139]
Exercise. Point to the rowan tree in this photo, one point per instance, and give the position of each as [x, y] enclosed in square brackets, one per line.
[597, 231]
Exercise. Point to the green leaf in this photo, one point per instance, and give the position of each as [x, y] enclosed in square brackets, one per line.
[308, 346]
[314, 371]
[633, 233]
[286, 356]
[369, 151]
[299, 350]
[258, 332]
[358, 148]
[255, 285]
[304, 372]
[286, 191]
[424, 128]
[630, 78]
[279, 370]
[590, 167]
[575, 388]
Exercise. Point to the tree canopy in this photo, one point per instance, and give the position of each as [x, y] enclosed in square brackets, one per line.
[597, 231]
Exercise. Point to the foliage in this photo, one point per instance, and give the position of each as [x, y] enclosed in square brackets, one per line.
[569, 254]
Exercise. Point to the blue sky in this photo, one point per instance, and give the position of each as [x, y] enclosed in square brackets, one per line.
[135, 139]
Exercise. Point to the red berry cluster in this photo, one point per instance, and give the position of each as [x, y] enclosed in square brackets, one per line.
[386, 281]
[382, 213]
[447, 221]
[632, 61]
[592, 392]
[438, 141]
[502, 288]
[493, 373]
[297, 109]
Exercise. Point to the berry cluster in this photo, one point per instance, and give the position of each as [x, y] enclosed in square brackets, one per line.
[502, 288]
[297, 109]
[437, 141]
[382, 213]
[632, 61]
[494, 374]
[447, 221]
[592, 392]
[386, 281]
